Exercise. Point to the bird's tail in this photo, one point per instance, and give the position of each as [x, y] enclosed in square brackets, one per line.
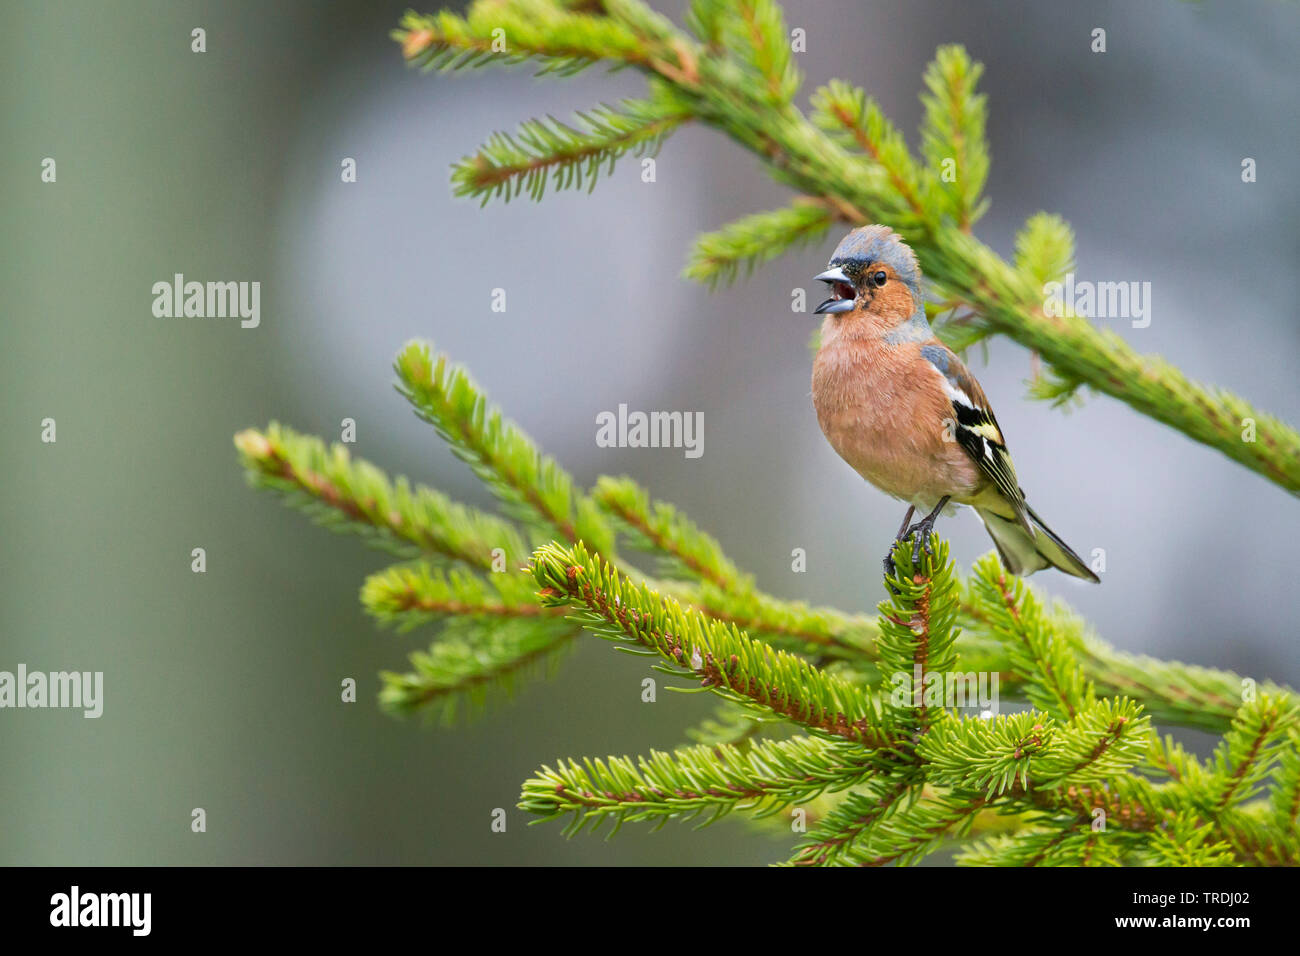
[1024, 553]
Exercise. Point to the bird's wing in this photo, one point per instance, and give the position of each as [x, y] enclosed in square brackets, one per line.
[976, 429]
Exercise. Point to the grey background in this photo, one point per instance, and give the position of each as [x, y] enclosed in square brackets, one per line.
[222, 688]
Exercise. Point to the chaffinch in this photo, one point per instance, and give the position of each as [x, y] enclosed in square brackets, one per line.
[900, 407]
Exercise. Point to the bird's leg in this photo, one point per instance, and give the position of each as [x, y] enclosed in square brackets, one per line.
[922, 530]
[902, 533]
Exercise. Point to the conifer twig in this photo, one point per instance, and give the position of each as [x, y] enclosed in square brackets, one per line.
[354, 496]
[693, 780]
[721, 658]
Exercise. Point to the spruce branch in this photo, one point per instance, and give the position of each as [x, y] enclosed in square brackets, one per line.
[562, 42]
[1244, 758]
[854, 820]
[1284, 794]
[356, 497]
[987, 756]
[1041, 656]
[926, 775]
[405, 597]
[661, 529]
[566, 155]
[818, 632]
[408, 520]
[766, 776]
[1169, 759]
[494, 636]
[1171, 691]
[538, 491]
[1044, 248]
[754, 30]
[918, 630]
[856, 122]
[1050, 847]
[1189, 842]
[468, 665]
[905, 836]
[722, 658]
[1255, 843]
[720, 590]
[533, 487]
[1129, 803]
[719, 257]
[732, 724]
[953, 132]
[1094, 745]
[1031, 751]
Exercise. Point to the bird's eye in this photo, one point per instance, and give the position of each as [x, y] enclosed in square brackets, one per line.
[879, 278]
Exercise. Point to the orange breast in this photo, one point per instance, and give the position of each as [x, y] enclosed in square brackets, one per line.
[884, 410]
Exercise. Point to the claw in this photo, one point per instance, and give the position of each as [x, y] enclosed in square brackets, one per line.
[921, 533]
[890, 569]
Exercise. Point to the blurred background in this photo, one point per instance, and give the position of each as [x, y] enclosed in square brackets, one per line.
[222, 689]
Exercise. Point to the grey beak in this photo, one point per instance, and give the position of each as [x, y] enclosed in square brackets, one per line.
[834, 304]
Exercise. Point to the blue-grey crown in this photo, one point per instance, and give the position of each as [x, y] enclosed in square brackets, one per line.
[870, 244]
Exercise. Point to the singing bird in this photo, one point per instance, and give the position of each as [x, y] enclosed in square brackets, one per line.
[900, 407]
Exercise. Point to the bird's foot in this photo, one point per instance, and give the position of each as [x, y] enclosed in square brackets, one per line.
[920, 533]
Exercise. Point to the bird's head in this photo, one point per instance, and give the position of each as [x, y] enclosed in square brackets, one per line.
[873, 272]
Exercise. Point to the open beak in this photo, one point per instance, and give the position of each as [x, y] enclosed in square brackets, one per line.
[842, 295]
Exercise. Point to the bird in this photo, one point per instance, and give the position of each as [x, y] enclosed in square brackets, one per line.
[906, 414]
